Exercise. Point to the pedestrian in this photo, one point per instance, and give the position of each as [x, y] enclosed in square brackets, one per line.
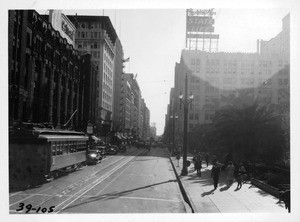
[215, 173]
[240, 174]
[198, 164]
[207, 159]
[230, 173]
[195, 162]
[178, 157]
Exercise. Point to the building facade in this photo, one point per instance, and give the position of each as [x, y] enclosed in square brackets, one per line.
[119, 55]
[215, 77]
[88, 110]
[44, 72]
[96, 35]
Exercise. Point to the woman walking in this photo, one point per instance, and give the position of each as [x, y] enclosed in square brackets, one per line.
[230, 173]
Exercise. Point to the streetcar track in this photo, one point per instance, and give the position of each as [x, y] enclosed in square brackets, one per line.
[104, 177]
[84, 180]
[14, 194]
[81, 192]
[30, 196]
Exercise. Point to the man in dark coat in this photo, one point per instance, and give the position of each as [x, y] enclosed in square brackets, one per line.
[215, 173]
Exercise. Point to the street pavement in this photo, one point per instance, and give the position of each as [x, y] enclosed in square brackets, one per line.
[137, 181]
[204, 199]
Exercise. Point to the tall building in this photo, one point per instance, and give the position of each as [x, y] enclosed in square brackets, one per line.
[117, 119]
[127, 104]
[133, 87]
[213, 77]
[44, 72]
[88, 111]
[96, 35]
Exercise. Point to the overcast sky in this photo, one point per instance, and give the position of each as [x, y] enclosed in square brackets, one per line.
[154, 38]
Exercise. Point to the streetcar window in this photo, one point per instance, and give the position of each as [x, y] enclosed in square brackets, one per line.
[59, 148]
[53, 149]
[71, 148]
[65, 149]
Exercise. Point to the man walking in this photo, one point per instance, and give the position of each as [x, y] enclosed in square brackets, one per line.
[215, 173]
[207, 159]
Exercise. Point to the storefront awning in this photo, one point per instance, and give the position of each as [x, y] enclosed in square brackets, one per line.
[96, 139]
[119, 137]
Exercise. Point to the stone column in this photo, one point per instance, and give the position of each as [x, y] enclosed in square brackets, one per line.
[42, 86]
[59, 97]
[51, 79]
[31, 72]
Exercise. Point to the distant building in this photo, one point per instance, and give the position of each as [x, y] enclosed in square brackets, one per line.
[280, 44]
[153, 130]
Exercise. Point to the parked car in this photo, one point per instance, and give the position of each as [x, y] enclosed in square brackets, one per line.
[111, 150]
[94, 157]
[122, 148]
[102, 150]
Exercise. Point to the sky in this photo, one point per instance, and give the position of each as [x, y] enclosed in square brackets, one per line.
[154, 38]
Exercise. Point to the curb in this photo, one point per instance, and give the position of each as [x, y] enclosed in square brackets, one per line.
[185, 194]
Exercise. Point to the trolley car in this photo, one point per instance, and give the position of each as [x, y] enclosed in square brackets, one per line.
[37, 153]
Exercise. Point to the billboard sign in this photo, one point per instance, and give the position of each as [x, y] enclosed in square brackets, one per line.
[200, 24]
[200, 12]
[200, 20]
[61, 23]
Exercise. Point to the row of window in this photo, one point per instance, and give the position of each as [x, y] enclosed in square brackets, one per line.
[88, 35]
[67, 147]
[234, 63]
[89, 25]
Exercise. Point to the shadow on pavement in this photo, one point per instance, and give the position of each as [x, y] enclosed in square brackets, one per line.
[208, 193]
[115, 195]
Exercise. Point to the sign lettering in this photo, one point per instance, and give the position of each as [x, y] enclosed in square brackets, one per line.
[67, 30]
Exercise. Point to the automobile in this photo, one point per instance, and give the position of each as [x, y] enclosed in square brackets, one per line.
[116, 147]
[102, 150]
[111, 150]
[94, 157]
[122, 148]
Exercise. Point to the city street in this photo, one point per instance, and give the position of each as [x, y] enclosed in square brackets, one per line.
[133, 182]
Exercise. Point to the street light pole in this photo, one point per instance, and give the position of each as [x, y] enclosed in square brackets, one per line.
[184, 171]
[185, 102]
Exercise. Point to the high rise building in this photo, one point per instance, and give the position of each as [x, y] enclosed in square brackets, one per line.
[118, 62]
[96, 35]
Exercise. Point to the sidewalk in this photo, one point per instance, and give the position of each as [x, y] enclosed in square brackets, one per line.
[222, 200]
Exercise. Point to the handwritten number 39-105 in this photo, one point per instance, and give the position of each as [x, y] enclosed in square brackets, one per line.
[29, 207]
